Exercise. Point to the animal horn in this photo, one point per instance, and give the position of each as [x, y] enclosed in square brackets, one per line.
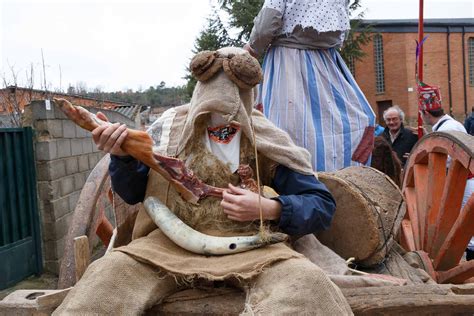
[194, 241]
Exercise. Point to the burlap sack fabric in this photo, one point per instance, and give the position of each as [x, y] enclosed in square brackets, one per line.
[218, 95]
[289, 287]
[277, 279]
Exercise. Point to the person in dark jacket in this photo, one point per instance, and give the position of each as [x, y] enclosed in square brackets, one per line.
[469, 123]
[401, 138]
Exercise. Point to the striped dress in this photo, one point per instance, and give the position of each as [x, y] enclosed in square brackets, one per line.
[310, 93]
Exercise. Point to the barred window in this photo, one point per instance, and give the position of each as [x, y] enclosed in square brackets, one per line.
[378, 59]
[471, 60]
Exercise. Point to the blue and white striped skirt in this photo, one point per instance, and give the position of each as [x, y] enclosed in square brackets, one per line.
[312, 95]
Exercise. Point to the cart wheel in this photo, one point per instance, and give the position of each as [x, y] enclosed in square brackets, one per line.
[434, 225]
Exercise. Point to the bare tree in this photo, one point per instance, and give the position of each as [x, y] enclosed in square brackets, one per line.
[14, 98]
[60, 79]
[44, 71]
[81, 88]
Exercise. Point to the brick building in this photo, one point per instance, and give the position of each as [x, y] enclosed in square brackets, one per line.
[387, 73]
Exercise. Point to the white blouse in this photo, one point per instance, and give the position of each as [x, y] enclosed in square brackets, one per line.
[302, 24]
[321, 15]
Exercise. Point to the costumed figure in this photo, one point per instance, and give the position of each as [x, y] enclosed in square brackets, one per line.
[307, 90]
[213, 135]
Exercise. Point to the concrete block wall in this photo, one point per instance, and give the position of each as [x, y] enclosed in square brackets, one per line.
[5, 121]
[65, 155]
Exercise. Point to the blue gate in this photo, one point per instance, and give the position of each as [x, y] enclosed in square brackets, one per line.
[20, 243]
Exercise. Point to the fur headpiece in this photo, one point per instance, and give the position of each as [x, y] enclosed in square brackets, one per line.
[243, 69]
[226, 78]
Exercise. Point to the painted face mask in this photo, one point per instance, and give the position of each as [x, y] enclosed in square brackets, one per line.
[223, 134]
[223, 140]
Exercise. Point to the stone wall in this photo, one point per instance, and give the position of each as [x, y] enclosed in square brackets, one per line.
[65, 155]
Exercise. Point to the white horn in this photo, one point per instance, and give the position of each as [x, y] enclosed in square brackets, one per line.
[194, 241]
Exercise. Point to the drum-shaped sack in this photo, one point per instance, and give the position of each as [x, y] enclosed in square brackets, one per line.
[368, 214]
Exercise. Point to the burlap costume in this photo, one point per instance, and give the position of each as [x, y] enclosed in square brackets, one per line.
[276, 278]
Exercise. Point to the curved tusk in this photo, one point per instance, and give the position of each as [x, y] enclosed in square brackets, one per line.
[194, 241]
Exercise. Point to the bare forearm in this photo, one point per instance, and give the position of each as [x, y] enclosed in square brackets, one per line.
[271, 209]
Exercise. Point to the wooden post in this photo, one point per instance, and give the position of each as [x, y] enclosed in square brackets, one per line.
[81, 255]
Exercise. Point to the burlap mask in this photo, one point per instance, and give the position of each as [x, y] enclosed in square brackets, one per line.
[226, 78]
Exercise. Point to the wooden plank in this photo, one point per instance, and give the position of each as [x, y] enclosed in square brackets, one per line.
[470, 280]
[411, 300]
[51, 300]
[456, 242]
[410, 199]
[226, 301]
[407, 238]
[32, 302]
[458, 274]
[427, 264]
[423, 299]
[450, 203]
[408, 180]
[436, 182]
[398, 267]
[421, 193]
[82, 255]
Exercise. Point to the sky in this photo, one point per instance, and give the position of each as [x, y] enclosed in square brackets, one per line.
[116, 45]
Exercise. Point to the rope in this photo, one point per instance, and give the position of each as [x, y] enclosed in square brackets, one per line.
[261, 228]
[114, 235]
[379, 217]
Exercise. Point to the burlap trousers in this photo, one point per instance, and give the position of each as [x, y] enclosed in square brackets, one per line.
[119, 285]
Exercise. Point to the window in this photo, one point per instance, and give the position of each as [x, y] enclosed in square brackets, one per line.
[378, 59]
[471, 60]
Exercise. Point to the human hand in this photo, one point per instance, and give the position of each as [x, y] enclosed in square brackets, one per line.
[248, 48]
[242, 205]
[109, 137]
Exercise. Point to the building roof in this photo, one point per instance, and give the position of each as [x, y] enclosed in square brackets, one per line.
[429, 25]
[127, 109]
[13, 88]
[130, 111]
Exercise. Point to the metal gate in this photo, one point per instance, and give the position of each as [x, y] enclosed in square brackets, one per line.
[20, 243]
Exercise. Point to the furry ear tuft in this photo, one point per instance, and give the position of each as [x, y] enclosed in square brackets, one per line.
[244, 70]
[205, 64]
